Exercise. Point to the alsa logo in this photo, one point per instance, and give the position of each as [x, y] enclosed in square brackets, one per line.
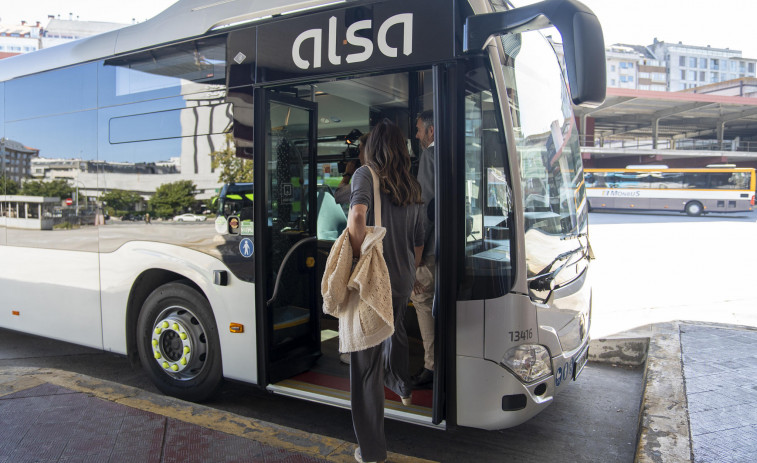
[405, 20]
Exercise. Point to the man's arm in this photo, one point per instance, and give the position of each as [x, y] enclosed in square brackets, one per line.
[418, 256]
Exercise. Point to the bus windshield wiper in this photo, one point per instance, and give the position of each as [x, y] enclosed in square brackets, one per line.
[543, 280]
[573, 236]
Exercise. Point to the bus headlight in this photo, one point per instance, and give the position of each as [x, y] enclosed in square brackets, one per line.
[529, 361]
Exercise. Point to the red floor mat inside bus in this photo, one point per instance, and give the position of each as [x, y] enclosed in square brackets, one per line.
[421, 397]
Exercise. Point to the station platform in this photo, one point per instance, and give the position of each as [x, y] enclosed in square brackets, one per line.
[50, 415]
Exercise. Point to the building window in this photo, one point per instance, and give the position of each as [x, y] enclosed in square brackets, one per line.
[612, 82]
[692, 62]
[734, 66]
[623, 65]
[751, 68]
[702, 76]
[703, 63]
[715, 64]
[692, 75]
[683, 75]
[658, 76]
[713, 77]
[612, 67]
[682, 61]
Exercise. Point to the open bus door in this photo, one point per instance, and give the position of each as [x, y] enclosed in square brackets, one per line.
[287, 292]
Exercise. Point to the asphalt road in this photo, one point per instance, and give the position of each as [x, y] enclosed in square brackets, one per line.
[649, 268]
[653, 268]
[594, 420]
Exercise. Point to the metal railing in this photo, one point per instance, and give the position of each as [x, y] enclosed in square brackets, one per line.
[668, 144]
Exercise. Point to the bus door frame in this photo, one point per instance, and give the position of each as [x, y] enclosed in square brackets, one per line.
[448, 209]
[262, 98]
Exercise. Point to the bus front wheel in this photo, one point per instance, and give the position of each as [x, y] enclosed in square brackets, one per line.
[694, 208]
[178, 342]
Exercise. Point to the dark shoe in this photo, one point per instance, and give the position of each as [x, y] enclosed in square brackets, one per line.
[423, 380]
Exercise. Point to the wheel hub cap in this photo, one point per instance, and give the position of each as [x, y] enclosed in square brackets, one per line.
[172, 344]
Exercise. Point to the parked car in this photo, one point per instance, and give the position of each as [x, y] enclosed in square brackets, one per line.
[189, 218]
[130, 217]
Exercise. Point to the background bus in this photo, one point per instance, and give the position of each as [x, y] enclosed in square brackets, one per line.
[151, 110]
[693, 191]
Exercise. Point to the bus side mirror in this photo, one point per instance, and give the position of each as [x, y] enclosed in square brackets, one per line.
[583, 41]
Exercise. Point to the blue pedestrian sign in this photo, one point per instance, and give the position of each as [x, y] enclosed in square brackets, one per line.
[245, 247]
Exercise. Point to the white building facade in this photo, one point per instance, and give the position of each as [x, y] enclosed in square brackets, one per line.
[27, 37]
[690, 66]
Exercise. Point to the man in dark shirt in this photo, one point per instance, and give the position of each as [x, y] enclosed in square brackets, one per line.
[423, 293]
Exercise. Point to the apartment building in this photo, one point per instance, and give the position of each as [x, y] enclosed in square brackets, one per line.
[16, 159]
[690, 66]
[27, 37]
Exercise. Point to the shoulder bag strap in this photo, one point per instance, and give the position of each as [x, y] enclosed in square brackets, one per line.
[376, 198]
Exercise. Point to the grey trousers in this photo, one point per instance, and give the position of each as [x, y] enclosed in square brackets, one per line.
[371, 369]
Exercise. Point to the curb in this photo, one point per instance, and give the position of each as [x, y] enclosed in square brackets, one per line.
[664, 433]
[630, 352]
[15, 379]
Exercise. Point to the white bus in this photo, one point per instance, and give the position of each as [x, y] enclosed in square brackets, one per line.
[659, 188]
[147, 109]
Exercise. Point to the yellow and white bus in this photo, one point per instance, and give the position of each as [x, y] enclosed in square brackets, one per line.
[659, 188]
[148, 112]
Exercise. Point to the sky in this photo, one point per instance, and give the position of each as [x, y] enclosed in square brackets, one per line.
[721, 24]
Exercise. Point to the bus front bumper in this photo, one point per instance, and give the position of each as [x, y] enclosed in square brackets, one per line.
[490, 397]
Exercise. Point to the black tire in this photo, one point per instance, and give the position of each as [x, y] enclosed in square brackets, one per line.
[178, 344]
[694, 208]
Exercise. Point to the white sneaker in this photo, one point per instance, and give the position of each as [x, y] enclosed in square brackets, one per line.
[359, 457]
[344, 358]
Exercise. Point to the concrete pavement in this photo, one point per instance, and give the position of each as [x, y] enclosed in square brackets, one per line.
[698, 405]
[49, 415]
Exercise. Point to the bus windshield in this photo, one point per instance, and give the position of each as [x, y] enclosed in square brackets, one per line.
[236, 199]
[546, 139]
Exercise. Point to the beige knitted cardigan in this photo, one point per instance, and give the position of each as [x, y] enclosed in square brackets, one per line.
[361, 298]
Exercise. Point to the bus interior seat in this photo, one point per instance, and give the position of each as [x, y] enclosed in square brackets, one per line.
[331, 218]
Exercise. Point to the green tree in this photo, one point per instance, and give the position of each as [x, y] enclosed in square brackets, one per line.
[232, 169]
[54, 188]
[121, 200]
[173, 198]
[8, 186]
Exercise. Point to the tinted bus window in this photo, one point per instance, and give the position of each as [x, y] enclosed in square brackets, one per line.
[729, 180]
[632, 180]
[666, 180]
[176, 70]
[695, 180]
[168, 124]
[54, 92]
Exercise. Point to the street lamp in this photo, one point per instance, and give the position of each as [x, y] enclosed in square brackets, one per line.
[76, 184]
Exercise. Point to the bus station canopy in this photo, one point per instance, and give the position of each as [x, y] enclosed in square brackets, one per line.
[675, 116]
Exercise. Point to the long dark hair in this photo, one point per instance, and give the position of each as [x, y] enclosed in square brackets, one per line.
[386, 153]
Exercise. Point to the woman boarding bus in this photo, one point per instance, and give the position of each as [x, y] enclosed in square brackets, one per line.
[144, 112]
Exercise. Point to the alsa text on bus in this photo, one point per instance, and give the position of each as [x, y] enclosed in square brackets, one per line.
[403, 19]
